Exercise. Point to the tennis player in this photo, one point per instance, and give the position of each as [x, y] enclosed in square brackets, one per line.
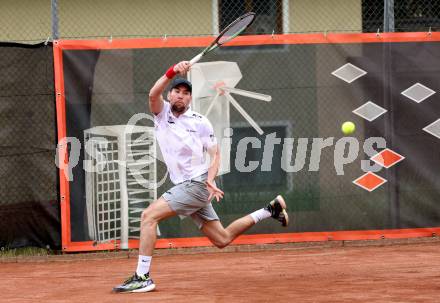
[186, 140]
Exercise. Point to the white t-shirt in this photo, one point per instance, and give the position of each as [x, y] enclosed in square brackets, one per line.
[184, 142]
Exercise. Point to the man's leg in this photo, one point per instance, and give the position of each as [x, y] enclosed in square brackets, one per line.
[151, 216]
[221, 236]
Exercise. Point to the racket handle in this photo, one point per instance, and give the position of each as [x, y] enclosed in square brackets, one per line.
[196, 59]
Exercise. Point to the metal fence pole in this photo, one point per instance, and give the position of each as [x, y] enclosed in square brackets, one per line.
[393, 193]
[388, 16]
[54, 17]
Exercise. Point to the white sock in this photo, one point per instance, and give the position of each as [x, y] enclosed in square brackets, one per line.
[260, 214]
[143, 265]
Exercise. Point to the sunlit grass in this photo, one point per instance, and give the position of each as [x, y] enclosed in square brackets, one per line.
[6, 252]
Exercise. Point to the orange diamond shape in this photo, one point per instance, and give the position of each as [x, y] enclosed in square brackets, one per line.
[387, 158]
[369, 181]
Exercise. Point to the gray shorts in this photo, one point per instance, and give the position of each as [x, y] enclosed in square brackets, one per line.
[190, 198]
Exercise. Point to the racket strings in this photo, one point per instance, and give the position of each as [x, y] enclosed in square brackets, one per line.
[236, 28]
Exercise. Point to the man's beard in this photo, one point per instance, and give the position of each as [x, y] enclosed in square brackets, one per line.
[178, 109]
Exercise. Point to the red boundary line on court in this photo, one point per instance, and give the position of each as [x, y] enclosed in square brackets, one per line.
[175, 42]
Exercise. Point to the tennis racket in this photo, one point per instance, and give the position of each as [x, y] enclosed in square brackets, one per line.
[230, 32]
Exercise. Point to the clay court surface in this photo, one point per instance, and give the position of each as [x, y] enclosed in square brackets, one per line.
[403, 272]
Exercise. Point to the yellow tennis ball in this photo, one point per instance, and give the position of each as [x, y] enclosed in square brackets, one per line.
[348, 127]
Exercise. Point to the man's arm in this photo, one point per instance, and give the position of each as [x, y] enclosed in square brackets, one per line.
[214, 154]
[155, 95]
[214, 191]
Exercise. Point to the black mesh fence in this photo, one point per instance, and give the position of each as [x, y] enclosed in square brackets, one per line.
[29, 207]
[41, 20]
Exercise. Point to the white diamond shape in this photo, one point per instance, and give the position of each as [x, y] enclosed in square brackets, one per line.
[349, 72]
[433, 128]
[418, 92]
[369, 111]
